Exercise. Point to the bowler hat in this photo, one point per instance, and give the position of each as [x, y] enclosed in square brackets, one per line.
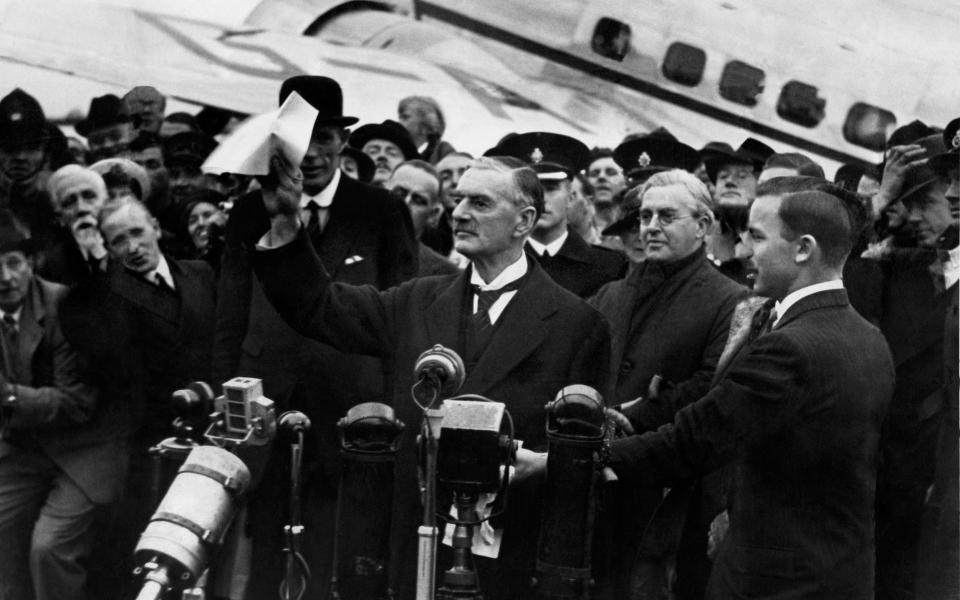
[14, 235]
[751, 152]
[21, 119]
[105, 111]
[365, 166]
[552, 156]
[659, 150]
[390, 131]
[322, 93]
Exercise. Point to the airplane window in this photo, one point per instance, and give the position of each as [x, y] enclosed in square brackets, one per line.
[611, 38]
[800, 104]
[684, 64]
[867, 126]
[741, 83]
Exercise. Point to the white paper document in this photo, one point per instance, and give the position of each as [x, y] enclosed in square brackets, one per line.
[248, 149]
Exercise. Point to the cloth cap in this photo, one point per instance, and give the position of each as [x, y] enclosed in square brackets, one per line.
[127, 168]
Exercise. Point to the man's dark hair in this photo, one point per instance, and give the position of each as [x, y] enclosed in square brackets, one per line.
[814, 206]
[598, 152]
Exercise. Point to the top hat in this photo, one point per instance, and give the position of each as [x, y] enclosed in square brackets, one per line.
[390, 131]
[552, 156]
[642, 156]
[322, 93]
[104, 111]
[751, 152]
[21, 119]
[365, 166]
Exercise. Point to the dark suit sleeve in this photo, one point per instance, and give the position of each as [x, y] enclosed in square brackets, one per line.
[234, 290]
[761, 394]
[69, 400]
[590, 365]
[355, 319]
[651, 413]
[399, 252]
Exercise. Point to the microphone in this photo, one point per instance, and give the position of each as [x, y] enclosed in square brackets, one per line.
[191, 521]
[193, 400]
[440, 373]
[293, 422]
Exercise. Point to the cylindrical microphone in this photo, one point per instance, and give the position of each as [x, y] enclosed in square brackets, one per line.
[192, 518]
[439, 373]
[575, 434]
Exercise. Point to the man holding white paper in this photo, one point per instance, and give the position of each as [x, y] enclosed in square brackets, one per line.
[363, 236]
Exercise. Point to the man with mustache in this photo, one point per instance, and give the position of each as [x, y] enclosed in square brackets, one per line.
[522, 337]
[62, 452]
[388, 144]
[76, 250]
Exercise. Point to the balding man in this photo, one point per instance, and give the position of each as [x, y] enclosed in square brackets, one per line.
[522, 337]
[415, 182]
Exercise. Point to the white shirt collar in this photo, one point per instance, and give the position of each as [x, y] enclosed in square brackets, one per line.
[15, 314]
[513, 272]
[951, 269]
[552, 248]
[793, 297]
[422, 148]
[325, 197]
[163, 270]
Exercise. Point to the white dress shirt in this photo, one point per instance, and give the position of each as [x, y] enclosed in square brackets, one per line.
[512, 273]
[550, 249]
[951, 268]
[162, 271]
[792, 298]
[323, 200]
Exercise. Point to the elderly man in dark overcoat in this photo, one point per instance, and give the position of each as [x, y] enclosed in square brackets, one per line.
[669, 320]
[522, 337]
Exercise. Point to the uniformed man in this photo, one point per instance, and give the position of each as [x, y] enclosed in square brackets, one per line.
[560, 250]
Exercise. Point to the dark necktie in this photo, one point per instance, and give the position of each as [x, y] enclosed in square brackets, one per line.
[763, 319]
[93, 263]
[10, 347]
[485, 300]
[162, 283]
[313, 227]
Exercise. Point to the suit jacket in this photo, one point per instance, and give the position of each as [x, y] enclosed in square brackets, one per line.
[59, 412]
[545, 339]
[62, 260]
[797, 414]
[145, 341]
[580, 267]
[368, 239]
[433, 263]
[670, 320]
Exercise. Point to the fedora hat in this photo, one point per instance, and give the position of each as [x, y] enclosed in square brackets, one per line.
[322, 93]
[751, 151]
[365, 166]
[104, 111]
[388, 130]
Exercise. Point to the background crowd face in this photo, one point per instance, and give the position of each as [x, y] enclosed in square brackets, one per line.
[201, 218]
[736, 184]
[556, 201]
[419, 191]
[607, 179]
[16, 273]
[929, 216]
[132, 238]
[151, 159]
[486, 221]
[107, 142]
[669, 226]
[322, 159]
[19, 162]
[386, 156]
[420, 120]
[451, 168]
[78, 206]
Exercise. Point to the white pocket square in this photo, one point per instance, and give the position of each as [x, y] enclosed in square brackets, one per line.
[353, 260]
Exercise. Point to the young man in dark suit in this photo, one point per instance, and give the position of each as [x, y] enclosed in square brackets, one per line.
[561, 252]
[522, 337]
[146, 326]
[364, 236]
[796, 415]
[62, 444]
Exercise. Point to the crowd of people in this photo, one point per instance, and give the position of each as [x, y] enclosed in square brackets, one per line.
[778, 351]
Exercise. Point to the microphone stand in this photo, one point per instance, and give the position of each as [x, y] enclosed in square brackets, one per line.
[427, 533]
[296, 572]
